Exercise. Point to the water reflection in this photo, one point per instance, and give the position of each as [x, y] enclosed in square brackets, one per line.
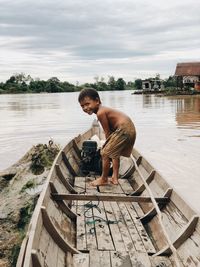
[188, 112]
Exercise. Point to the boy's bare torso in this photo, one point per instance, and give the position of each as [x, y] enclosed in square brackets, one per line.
[111, 119]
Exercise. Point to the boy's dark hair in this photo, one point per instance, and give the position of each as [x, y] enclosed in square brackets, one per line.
[90, 92]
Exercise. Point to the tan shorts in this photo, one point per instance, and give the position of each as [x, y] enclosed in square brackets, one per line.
[120, 142]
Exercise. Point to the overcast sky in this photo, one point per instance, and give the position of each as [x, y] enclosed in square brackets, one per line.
[76, 40]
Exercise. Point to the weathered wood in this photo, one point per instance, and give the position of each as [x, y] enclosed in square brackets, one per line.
[64, 207]
[80, 209]
[64, 180]
[111, 189]
[81, 260]
[140, 259]
[139, 160]
[61, 258]
[35, 259]
[20, 259]
[125, 185]
[58, 239]
[81, 227]
[89, 219]
[104, 240]
[76, 149]
[114, 227]
[120, 258]
[141, 188]
[137, 241]
[107, 197]
[79, 184]
[68, 165]
[185, 233]
[150, 249]
[149, 215]
[161, 261]
[128, 243]
[99, 258]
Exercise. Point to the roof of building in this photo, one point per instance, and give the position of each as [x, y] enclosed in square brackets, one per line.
[188, 69]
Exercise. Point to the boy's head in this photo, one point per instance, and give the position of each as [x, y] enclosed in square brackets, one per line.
[89, 92]
[89, 100]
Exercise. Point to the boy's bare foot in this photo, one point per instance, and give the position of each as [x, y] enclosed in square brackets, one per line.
[99, 181]
[114, 181]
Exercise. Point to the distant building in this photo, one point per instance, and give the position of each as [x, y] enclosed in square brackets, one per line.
[153, 84]
[188, 75]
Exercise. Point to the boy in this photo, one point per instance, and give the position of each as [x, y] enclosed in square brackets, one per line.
[119, 132]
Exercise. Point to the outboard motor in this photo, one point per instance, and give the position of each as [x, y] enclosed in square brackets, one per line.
[90, 158]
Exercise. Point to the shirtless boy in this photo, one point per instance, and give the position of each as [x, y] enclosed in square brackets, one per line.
[119, 132]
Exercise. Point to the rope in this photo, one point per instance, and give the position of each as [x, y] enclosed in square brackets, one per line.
[90, 205]
[173, 249]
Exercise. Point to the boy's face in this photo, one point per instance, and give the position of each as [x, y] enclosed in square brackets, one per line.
[89, 105]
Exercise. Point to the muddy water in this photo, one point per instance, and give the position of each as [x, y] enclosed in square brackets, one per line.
[168, 130]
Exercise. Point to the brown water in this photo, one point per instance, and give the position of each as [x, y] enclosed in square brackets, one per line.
[168, 130]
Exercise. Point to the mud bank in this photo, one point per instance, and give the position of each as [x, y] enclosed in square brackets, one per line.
[20, 187]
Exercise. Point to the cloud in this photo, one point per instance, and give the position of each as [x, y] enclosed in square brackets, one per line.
[77, 40]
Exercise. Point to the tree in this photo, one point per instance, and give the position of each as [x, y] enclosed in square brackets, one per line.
[138, 84]
[111, 83]
[120, 84]
[170, 82]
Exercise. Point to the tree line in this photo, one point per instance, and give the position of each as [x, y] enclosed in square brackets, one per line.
[21, 83]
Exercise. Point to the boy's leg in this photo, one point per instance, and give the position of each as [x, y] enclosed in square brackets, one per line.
[103, 180]
[115, 175]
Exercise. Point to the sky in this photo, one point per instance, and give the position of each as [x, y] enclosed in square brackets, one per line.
[78, 40]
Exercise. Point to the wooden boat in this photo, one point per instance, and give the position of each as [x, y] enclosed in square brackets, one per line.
[140, 222]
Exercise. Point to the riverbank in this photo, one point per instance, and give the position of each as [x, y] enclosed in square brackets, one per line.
[20, 187]
[170, 92]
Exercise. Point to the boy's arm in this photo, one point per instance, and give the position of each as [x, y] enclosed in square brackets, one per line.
[104, 123]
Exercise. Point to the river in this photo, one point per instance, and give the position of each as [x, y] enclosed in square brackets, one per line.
[168, 130]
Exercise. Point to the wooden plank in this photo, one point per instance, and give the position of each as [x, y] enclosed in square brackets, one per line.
[104, 240]
[81, 227]
[64, 180]
[122, 227]
[89, 188]
[35, 258]
[64, 207]
[182, 237]
[120, 258]
[136, 238]
[114, 228]
[44, 240]
[152, 212]
[79, 184]
[141, 230]
[58, 239]
[52, 253]
[81, 260]
[192, 244]
[110, 188]
[100, 258]
[89, 218]
[140, 259]
[106, 197]
[142, 187]
[125, 185]
[68, 165]
[69, 260]
[76, 149]
[61, 258]
[161, 261]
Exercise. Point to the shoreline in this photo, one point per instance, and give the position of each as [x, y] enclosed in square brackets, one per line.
[20, 187]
